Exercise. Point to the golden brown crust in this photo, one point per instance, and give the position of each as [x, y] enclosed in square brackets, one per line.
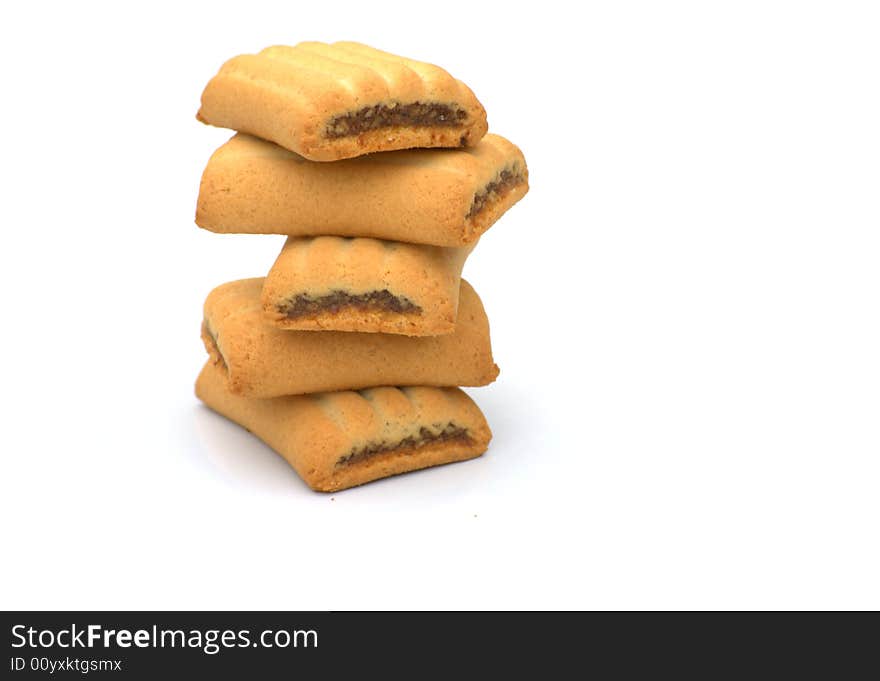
[293, 95]
[330, 283]
[342, 439]
[418, 196]
[263, 361]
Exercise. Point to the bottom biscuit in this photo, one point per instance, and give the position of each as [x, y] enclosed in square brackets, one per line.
[342, 439]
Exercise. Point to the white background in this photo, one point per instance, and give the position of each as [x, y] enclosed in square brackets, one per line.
[684, 309]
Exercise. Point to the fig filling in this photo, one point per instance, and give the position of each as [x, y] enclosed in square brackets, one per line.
[450, 432]
[415, 115]
[507, 180]
[305, 305]
[212, 339]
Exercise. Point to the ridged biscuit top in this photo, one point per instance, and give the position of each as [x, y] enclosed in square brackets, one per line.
[356, 426]
[362, 264]
[389, 414]
[347, 76]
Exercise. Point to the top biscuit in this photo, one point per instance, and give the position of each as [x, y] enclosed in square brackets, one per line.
[333, 101]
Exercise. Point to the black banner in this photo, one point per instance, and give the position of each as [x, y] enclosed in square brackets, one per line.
[266, 644]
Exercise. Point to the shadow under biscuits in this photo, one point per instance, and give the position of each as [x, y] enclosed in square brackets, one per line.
[241, 457]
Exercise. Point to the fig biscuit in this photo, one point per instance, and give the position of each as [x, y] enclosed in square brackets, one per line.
[332, 101]
[341, 439]
[260, 360]
[330, 283]
[427, 196]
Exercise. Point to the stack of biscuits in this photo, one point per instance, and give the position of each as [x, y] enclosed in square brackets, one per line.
[348, 356]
